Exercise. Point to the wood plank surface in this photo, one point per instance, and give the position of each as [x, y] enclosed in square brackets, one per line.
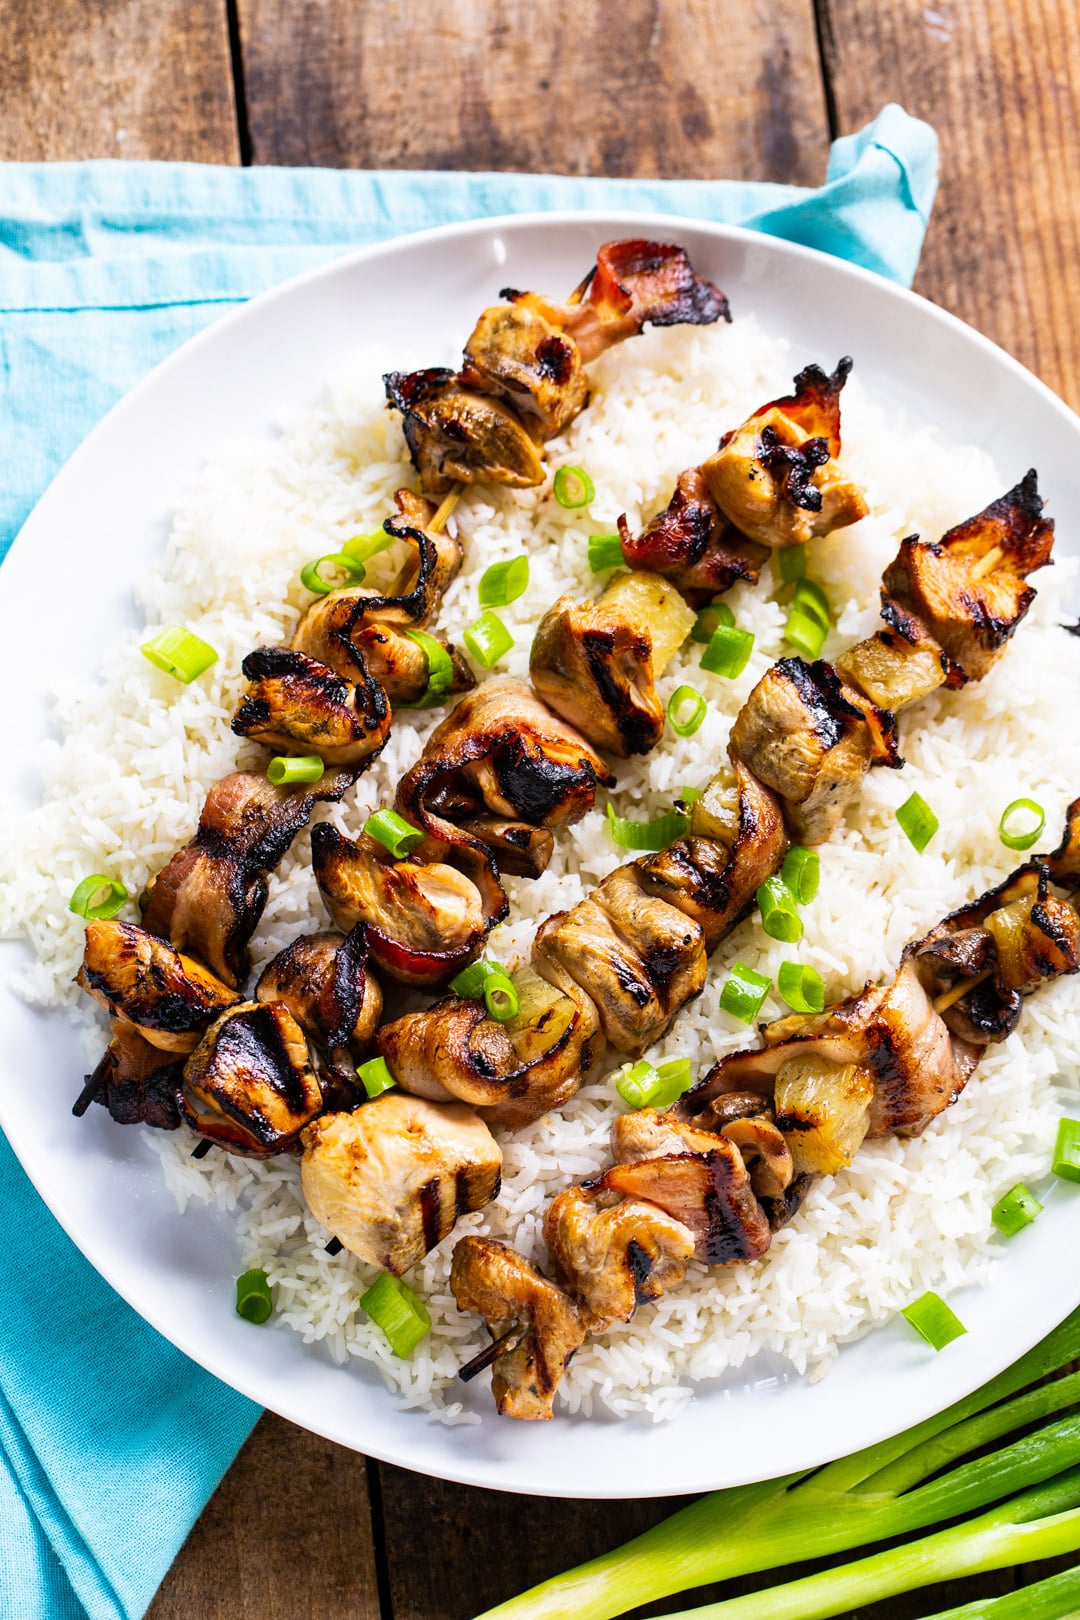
[116, 78]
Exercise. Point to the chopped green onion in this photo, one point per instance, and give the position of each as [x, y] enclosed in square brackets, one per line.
[487, 639]
[801, 987]
[918, 821]
[810, 599]
[493, 982]
[686, 724]
[1017, 1209]
[1011, 826]
[801, 872]
[396, 834]
[440, 671]
[573, 487]
[180, 653]
[362, 547]
[605, 551]
[790, 564]
[253, 1298]
[375, 1077]
[689, 795]
[98, 898]
[284, 769]
[728, 652]
[930, 1316]
[1067, 1150]
[643, 1085]
[503, 582]
[709, 621]
[313, 578]
[629, 833]
[779, 918]
[804, 633]
[400, 1313]
[743, 993]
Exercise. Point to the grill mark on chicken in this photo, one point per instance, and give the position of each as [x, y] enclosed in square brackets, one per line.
[249, 1083]
[141, 980]
[296, 703]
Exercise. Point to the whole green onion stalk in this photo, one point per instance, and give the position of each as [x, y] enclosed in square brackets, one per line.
[1057, 1598]
[909, 1483]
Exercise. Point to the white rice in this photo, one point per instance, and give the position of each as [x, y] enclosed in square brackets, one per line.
[137, 754]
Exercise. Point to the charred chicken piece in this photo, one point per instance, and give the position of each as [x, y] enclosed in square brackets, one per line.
[536, 1327]
[706, 1188]
[776, 478]
[296, 705]
[1063, 864]
[141, 980]
[209, 898]
[968, 587]
[517, 354]
[647, 1134]
[391, 1179]
[325, 982]
[692, 543]
[504, 769]
[596, 662]
[811, 738]
[138, 1083]
[456, 434]
[614, 1254]
[249, 1084]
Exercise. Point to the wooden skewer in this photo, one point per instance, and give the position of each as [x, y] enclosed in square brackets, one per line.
[448, 503]
[946, 999]
[985, 564]
[507, 1341]
[334, 1246]
[201, 1149]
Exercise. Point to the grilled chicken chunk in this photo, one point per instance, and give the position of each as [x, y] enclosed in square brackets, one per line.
[324, 981]
[1063, 864]
[249, 1084]
[456, 434]
[390, 1180]
[776, 478]
[517, 354]
[614, 1254]
[707, 1190]
[647, 1134]
[692, 543]
[296, 705]
[968, 587]
[596, 662]
[535, 1324]
[210, 896]
[141, 980]
[811, 738]
[138, 1083]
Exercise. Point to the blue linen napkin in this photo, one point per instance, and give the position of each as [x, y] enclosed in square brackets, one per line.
[111, 1441]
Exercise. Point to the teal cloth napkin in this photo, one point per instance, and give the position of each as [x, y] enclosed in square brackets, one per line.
[111, 1441]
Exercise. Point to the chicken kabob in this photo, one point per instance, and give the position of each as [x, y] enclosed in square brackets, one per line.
[713, 1177]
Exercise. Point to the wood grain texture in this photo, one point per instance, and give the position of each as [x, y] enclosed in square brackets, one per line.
[1000, 81]
[116, 78]
[643, 87]
[287, 1536]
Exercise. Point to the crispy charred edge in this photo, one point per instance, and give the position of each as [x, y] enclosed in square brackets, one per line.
[794, 466]
[835, 708]
[169, 993]
[1063, 863]
[250, 1035]
[692, 543]
[138, 1083]
[639, 724]
[650, 282]
[335, 1009]
[815, 402]
[370, 707]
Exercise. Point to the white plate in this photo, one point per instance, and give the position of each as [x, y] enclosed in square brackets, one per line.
[107, 514]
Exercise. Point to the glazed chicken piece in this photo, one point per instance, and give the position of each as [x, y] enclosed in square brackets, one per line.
[535, 1326]
[614, 1254]
[325, 982]
[505, 770]
[456, 434]
[776, 478]
[1063, 864]
[596, 662]
[295, 705]
[517, 354]
[138, 1083]
[390, 1179]
[646, 1134]
[209, 898]
[141, 980]
[968, 587]
[249, 1085]
[811, 738]
[693, 544]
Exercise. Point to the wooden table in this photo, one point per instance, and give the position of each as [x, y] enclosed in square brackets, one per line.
[301, 1529]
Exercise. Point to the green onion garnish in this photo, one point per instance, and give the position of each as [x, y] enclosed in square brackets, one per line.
[743, 993]
[179, 653]
[253, 1299]
[440, 670]
[98, 898]
[375, 1077]
[1067, 1150]
[284, 769]
[810, 599]
[339, 562]
[1017, 1209]
[490, 980]
[790, 564]
[689, 795]
[362, 547]
[605, 552]
[930, 1316]
[573, 487]
[396, 834]
[629, 833]
[801, 872]
[487, 639]
[779, 918]
[709, 621]
[728, 652]
[804, 633]
[400, 1313]
[801, 987]
[682, 721]
[643, 1085]
[503, 582]
[1011, 827]
[918, 821]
